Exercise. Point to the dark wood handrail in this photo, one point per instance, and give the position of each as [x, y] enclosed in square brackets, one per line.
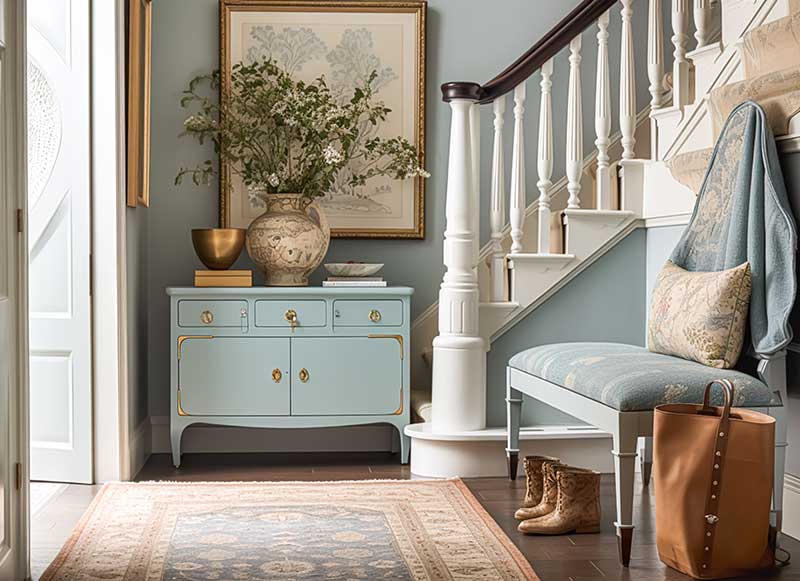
[558, 37]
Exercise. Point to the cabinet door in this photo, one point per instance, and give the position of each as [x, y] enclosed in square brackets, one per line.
[346, 376]
[234, 376]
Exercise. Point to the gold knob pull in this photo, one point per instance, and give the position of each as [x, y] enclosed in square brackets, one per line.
[303, 375]
[291, 316]
[207, 317]
[276, 375]
[375, 315]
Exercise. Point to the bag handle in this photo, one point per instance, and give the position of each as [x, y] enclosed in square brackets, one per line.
[727, 391]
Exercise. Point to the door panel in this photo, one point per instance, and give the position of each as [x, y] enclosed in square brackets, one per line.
[232, 376]
[59, 240]
[346, 376]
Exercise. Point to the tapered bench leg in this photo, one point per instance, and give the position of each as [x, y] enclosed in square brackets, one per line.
[513, 413]
[625, 444]
[646, 460]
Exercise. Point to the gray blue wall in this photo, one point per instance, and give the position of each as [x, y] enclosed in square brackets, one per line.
[466, 39]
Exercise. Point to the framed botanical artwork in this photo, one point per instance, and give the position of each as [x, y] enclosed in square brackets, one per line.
[346, 42]
[138, 102]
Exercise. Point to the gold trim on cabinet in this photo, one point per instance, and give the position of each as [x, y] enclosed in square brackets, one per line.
[276, 375]
[183, 338]
[303, 375]
[398, 338]
[399, 411]
[181, 412]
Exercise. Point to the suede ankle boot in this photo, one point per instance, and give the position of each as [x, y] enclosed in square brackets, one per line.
[547, 502]
[534, 479]
[577, 506]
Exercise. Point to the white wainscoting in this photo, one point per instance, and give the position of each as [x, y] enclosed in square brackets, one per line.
[791, 506]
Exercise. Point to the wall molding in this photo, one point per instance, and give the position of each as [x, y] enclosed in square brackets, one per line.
[141, 443]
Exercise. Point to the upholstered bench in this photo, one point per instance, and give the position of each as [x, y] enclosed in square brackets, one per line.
[629, 378]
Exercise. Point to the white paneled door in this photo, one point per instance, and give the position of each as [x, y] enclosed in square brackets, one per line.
[59, 240]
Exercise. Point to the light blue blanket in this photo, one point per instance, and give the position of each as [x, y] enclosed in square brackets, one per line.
[743, 214]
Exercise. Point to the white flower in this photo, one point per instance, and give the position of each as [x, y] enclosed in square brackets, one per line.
[195, 122]
[273, 180]
[332, 155]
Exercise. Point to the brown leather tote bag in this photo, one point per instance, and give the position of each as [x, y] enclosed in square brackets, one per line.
[713, 472]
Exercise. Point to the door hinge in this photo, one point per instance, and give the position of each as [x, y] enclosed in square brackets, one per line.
[19, 220]
[18, 480]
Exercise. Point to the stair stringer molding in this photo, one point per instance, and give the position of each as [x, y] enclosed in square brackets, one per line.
[497, 316]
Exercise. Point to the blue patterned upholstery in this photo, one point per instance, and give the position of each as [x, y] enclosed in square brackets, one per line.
[629, 378]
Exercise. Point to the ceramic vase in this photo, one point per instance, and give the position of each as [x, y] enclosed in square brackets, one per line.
[289, 240]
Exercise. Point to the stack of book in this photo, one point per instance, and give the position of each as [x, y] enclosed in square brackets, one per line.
[227, 278]
[354, 281]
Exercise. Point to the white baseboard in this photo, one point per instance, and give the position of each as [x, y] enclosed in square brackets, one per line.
[791, 506]
[205, 438]
[141, 446]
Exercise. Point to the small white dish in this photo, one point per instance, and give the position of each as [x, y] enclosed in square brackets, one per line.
[352, 268]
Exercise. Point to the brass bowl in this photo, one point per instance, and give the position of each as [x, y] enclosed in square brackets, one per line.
[218, 248]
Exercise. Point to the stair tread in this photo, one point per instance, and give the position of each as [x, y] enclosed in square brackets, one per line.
[533, 256]
[689, 168]
[772, 46]
[589, 213]
[510, 305]
[778, 92]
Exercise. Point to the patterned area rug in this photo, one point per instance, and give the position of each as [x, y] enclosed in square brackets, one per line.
[398, 529]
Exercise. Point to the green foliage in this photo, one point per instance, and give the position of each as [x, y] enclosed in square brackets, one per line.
[281, 135]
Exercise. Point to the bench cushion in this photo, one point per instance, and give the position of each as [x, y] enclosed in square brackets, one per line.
[630, 378]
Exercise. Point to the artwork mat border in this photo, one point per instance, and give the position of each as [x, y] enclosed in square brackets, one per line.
[417, 7]
[140, 59]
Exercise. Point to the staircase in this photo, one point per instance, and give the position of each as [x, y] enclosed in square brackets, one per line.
[646, 173]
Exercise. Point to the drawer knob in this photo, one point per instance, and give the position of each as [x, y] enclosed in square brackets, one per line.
[375, 315]
[291, 317]
[207, 317]
[277, 375]
[303, 375]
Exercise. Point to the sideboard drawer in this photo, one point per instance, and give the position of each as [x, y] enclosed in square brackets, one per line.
[328, 379]
[366, 313]
[225, 313]
[281, 313]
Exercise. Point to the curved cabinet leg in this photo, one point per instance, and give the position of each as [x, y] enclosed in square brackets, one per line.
[405, 445]
[175, 433]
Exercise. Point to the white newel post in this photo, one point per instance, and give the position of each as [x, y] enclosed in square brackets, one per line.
[544, 164]
[702, 20]
[574, 125]
[627, 87]
[498, 205]
[475, 148]
[680, 66]
[602, 115]
[518, 193]
[459, 358]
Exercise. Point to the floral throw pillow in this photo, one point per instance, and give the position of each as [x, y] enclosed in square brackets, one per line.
[700, 315]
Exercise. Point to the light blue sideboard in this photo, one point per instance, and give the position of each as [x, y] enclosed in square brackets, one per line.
[289, 358]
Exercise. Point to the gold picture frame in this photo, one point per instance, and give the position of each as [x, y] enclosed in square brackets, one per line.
[138, 102]
[402, 204]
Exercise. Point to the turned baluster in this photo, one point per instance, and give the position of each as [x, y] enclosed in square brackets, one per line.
[574, 126]
[602, 116]
[518, 196]
[497, 210]
[680, 66]
[702, 20]
[544, 164]
[655, 54]
[627, 87]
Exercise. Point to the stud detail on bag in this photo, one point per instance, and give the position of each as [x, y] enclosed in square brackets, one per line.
[712, 519]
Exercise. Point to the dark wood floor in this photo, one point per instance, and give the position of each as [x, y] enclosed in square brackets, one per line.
[575, 557]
